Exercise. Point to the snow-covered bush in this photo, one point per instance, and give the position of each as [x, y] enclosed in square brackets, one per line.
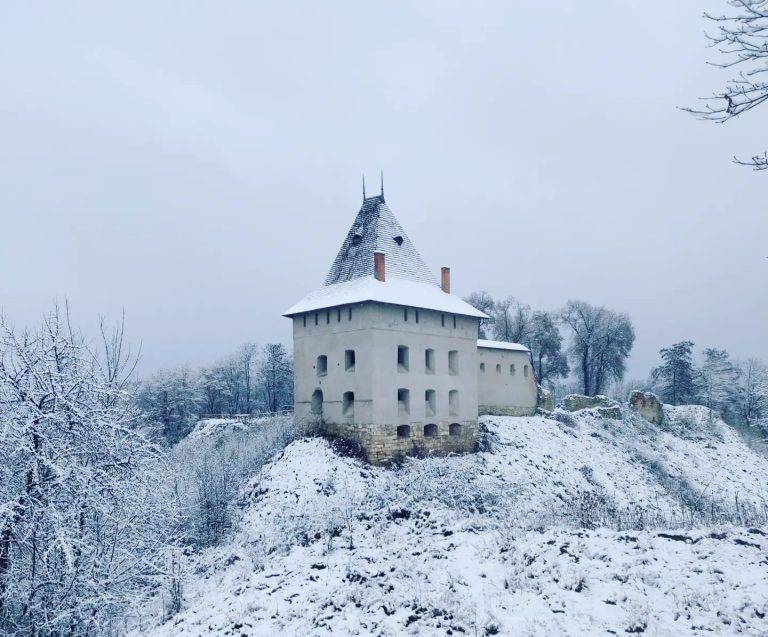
[210, 471]
[85, 522]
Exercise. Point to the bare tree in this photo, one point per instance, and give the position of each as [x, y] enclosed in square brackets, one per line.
[276, 377]
[741, 37]
[752, 393]
[511, 321]
[485, 303]
[601, 340]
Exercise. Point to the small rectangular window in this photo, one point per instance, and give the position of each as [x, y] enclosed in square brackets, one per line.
[525, 371]
[429, 361]
[403, 402]
[442, 320]
[454, 321]
[349, 313]
[305, 320]
[338, 315]
[416, 314]
[405, 314]
[349, 360]
[316, 318]
[453, 402]
[453, 362]
[402, 358]
[511, 370]
[348, 404]
[430, 402]
[328, 317]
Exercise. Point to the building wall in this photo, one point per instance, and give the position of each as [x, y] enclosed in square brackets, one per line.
[375, 332]
[501, 392]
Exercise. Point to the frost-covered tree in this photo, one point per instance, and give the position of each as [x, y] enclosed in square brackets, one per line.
[485, 303]
[84, 519]
[601, 340]
[276, 377]
[171, 400]
[740, 36]
[718, 378]
[546, 345]
[751, 395]
[511, 320]
[676, 377]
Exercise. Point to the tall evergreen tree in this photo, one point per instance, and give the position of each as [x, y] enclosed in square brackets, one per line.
[676, 374]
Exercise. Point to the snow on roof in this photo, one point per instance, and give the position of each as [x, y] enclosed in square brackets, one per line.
[393, 291]
[375, 229]
[515, 347]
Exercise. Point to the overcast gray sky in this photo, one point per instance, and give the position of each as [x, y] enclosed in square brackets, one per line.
[198, 164]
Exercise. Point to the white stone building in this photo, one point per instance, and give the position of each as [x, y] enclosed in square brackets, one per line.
[386, 356]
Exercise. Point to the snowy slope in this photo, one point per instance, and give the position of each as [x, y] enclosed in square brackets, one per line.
[537, 535]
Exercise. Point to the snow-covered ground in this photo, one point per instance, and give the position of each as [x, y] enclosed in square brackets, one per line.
[600, 527]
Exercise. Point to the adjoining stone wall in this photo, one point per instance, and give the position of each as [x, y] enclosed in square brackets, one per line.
[495, 410]
[381, 445]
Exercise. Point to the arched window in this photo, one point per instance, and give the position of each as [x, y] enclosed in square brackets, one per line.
[322, 365]
[498, 368]
[430, 431]
[525, 371]
[511, 370]
[404, 431]
[317, 402]
[454, 429]
[453, 402]
[482, 367]
[348, 404]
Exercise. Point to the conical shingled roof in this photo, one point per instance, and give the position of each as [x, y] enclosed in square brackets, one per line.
[376, 230]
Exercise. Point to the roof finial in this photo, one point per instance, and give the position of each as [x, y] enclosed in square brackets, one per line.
[382, 185]
[363, 186]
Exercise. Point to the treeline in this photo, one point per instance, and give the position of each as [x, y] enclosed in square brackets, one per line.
[598, 343]
[737, 390]
[250, 381]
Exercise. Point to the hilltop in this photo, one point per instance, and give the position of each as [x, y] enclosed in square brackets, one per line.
[598, 526]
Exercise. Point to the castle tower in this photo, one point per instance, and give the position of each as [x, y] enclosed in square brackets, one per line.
[384, 354]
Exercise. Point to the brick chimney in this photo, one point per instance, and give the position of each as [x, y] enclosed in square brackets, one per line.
[378, 266]
[445, 279]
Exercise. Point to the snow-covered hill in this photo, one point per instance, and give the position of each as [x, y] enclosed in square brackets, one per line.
[600, 527]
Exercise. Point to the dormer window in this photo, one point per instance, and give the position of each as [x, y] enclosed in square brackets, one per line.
[357, 239]
[398, 240]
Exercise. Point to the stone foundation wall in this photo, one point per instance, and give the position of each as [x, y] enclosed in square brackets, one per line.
[493, 410]
[382, 446]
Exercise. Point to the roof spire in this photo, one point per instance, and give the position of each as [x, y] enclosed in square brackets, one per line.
[363, 186]
[382, 185]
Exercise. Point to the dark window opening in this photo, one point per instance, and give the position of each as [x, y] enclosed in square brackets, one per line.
[482, 367]
[316, 318]
[416, 313]
[430, 431]
[429, 361]
[322, 365]
[356, 239]
[442, 320]
[454, 322]
[403, 402]
[525, 371]
[454, 429]
[430, 402]
[305, 320]
[402, 358]
[338, 315]
[317, 402]
[328, 317]
[348, 404]
[349, 314]
[498, 369]
[405, 313]
[404, 431]
[349, 360]
[511, 370]
[398, 240]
